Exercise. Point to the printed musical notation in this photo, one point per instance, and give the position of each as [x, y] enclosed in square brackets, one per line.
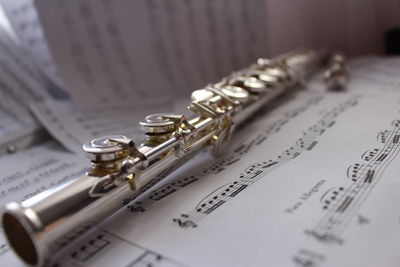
[3, 243]
[220, 165]
[38, 173]
[150, 259]
[25, 22]
[98, 248]
[83, 125]
[29, 173]
[341, 204]
[259, 170]
[103, 60]
[308, 258]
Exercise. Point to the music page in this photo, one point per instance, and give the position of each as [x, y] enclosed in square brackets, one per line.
[30, 172]
[73, 127]
[20, 84]
[309, 182]
[384, 71]
[113, 52]
[24, 20]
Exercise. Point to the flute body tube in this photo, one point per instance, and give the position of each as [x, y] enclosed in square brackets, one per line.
[42, 225]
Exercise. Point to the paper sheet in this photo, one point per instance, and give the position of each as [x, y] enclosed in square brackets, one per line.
[30, 172]
[309, 183]
[381, 70]
[73, 127]
[182, 45]
[299, 186]
[24, 20]
[20, 84]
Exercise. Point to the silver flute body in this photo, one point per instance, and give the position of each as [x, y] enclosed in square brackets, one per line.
[42, 225]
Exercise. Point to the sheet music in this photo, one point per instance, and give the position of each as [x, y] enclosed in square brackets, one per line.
[182, 45]
[32, 171]
[129, 253]
[383, 71]
[24, 19]
[73, 127]
[20, 84]
[308, 183]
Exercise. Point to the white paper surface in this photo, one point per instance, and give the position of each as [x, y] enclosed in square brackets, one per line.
[30, 172]
[23, 17]
[311, 183]
[20, 84]
[73, 127]
[275, 197]
[111, 52]
[381, 70]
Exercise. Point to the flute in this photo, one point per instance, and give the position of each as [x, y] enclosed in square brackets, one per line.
[42, 225]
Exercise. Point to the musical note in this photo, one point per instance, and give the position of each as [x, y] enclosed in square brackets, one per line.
[362, 220]
[148, 259]
[91, 248]
[330, 198]
[308, 258]
[341, 205]
[134, 208]
[236, 155]
[184, 223]
[368, 155]
[102, 247]
[256, 171]
[3, 243]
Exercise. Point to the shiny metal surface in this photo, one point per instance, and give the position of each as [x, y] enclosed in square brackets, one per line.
[336, 76]
[235, 92]
[104, 148]
[39, 227]
[159, 123]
